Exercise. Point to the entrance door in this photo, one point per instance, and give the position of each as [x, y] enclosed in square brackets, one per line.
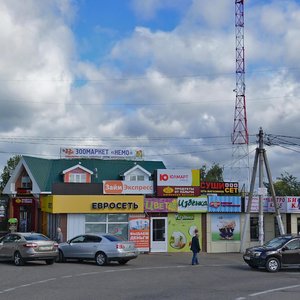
[159, 234]
[25, 219]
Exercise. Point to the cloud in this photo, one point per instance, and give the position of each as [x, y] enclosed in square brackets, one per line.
[170, 92]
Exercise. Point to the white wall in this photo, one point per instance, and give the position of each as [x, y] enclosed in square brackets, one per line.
[75, 224]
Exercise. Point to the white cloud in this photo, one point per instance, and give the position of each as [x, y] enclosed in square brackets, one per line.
[152, 84]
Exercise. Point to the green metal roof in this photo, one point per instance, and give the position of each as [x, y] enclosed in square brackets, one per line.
[49, 171]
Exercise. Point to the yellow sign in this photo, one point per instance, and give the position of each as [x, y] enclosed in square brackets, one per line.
[93, 204]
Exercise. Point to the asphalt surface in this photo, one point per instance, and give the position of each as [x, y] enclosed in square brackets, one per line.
[150, 276]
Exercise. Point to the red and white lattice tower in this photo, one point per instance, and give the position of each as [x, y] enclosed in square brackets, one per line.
[240, 138]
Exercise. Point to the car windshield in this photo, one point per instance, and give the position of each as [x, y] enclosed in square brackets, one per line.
[276, 242]
[36, 237]
[113, 238]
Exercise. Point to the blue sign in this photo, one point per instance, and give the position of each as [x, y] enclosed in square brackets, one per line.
[224, 204]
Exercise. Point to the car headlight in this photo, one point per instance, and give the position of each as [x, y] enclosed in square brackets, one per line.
[256, 253]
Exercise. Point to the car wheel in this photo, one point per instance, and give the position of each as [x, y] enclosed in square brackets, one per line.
[61, 258]
[18, 259]
[101, 259]
[123, 261]
[273, 264]
[49, 261]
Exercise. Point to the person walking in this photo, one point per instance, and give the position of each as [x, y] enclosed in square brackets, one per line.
[59, 235]
[195, 248]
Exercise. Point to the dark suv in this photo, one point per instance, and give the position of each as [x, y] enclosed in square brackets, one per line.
[280, 252]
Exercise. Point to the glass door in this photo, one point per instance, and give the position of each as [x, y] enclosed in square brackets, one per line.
[158, 241]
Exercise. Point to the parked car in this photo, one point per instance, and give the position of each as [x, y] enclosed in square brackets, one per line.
[280, 252]
[102, 248]
[21, 247]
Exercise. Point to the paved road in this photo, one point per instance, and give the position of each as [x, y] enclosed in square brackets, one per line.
[151, 276]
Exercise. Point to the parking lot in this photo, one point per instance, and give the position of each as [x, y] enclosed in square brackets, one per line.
[150, 276]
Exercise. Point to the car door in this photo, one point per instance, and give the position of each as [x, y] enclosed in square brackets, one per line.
[90, 246]
[291, 252]
[7, 246]
[74, 247]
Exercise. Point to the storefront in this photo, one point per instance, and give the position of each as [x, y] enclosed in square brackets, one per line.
[173, 222]
[25, 211]
[117, 214]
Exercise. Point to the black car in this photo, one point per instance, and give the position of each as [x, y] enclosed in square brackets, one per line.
[280, 252]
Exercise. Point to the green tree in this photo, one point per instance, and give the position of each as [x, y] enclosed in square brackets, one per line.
[285, 185]
[8, 169]
[214, 174]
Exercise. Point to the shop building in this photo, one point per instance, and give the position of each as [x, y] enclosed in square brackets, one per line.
[79, 194]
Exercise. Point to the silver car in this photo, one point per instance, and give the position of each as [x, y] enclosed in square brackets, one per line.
[102, 248]
[28, 246]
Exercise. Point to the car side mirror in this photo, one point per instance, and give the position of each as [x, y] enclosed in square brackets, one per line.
[285, 248]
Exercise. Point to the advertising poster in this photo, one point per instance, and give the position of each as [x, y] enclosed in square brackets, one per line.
[225, 227]
[139, 232]
[181, 228]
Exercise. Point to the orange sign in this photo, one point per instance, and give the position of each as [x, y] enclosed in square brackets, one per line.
[115, 187]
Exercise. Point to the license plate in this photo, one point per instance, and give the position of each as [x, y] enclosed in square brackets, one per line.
[45, 248]
[247, 257]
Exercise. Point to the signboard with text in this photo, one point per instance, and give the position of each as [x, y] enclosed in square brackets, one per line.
[178, 177]
[160, 205]
[127, 187]
[178, 191]
[224, 204]
[100, 153]
[219, 187]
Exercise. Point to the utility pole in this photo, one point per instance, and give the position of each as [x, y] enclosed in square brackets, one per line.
[260, 158]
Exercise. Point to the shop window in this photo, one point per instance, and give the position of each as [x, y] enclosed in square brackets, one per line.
[298, 225]
[254, 229]
[78, 177]
[109, 223]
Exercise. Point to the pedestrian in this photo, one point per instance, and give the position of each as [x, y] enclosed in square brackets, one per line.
[195, 248]
[59, 235]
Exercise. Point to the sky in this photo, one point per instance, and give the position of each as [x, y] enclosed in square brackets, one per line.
[156, 75]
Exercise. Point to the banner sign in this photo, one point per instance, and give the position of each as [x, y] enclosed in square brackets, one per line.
[192, 204]
[219, 187]
[127, 187]
[160, 205]
[100, 153]
[139, 232]
[178, 177]
[293, 204]
[268, 205]
[224, 204]
[178, 191]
